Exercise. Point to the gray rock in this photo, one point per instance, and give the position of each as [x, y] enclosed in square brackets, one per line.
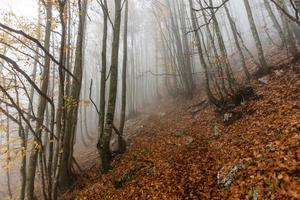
[189, 140]
[279, 72]
[264, 80]
[228, 179]
[227, 117]
[217, 132]
[255, 194]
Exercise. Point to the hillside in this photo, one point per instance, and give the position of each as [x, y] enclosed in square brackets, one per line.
[186, 152]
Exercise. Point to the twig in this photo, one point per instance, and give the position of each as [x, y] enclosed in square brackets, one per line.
[91, 99]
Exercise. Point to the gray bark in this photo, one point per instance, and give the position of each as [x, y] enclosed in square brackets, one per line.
[261, 56]
[108, 126]
[121, 141]
[41, 108]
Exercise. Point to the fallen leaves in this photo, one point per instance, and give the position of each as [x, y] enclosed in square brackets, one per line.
[181, 158]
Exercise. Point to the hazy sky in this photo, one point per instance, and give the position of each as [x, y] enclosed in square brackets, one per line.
[26, 8]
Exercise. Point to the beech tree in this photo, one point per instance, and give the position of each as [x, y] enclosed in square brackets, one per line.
[111, 104]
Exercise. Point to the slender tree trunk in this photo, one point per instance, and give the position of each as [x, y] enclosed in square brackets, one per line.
[180, 51]
[103, 78]
[216, 54]
[8, 156]
[41, 107]
[133, 78]
[121, 141]
[227, 66]
[61, 108]
[66, 175]
[109, 121]
[297, 3]
[237, 43]
[289, 37]
[275, 22]
[261, 56]
[24, 137]
[187, 53]
[201, 55]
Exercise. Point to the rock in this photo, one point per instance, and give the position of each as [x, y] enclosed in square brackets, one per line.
[217, 132]
[255, 194]
[231, 117]
[189, 140]
[227, 117]
[264, 80]
[228, 179]
[279, 72]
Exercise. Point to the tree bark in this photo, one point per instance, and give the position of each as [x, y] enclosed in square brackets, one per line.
[200, 52]
[275, 22]
[289, 37]
[261, 56]
[108, 127]
[121, 141]
[101, 113]
[41, 107]
[66, 175]
[237, 43]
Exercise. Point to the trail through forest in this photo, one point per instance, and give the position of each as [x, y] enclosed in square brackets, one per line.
[185, 151]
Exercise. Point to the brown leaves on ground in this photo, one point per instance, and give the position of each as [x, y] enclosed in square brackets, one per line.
[178, 157]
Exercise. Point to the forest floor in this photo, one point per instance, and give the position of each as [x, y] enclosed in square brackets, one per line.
[183, 152]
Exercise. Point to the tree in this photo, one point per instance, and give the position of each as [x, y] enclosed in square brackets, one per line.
[201, 55]
[275, 22]
[101, 113]
[41, 106]
[121, 141]
[109, 119]
[288, 35]
[261, 56]
[236, 41]
[72, 113]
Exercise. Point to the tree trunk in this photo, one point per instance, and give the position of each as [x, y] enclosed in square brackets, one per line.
[121, 141]
[108, 127]
[103, 78]
[237, 43]
[180, 52]
[275, 21]
[41, 107]
[297, 3]
[202, 60]
[261, 56]
[227, 66]
[62, 106]
[216, 54]
[8, 155]
[66, 175]
[289, 37]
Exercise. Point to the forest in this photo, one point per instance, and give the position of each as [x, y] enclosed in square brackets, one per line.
[149, 99]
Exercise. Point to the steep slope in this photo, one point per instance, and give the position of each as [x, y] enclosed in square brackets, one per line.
[184, 154]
